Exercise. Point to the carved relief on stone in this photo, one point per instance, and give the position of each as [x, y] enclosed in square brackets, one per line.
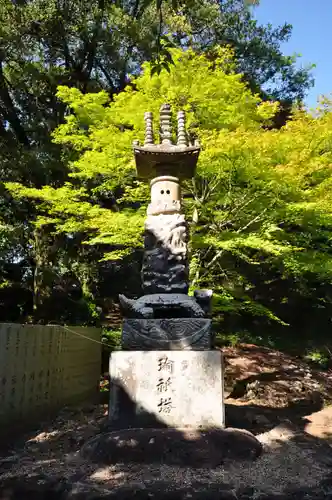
[169, 231]
[162, 274]
[165, 266]
[172, 334]
[178, 305]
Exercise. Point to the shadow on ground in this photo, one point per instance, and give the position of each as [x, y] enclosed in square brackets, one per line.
[80, 456]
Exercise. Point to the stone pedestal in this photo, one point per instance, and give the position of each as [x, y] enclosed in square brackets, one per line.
[177, 389]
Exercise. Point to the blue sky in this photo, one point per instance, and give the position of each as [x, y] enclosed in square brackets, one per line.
[312, 36]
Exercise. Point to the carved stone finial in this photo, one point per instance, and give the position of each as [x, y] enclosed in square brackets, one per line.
[175, 158]
[182, 135]
[165, 124]
[148, 128]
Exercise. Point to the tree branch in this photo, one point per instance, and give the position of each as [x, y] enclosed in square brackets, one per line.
[107, 76]
[10, 113]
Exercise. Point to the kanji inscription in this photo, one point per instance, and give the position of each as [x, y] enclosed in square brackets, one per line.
[165, 405]
[165, 365]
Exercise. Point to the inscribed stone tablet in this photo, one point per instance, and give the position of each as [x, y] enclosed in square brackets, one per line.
[176, 388]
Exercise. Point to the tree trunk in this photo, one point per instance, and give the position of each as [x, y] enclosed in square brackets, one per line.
[42, 283]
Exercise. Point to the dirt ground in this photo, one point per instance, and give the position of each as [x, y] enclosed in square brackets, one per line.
[282, 400]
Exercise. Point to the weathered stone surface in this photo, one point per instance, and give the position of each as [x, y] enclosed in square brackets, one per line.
[174, 388]
[204, 299]
[182, 447]
[166, 158]
[165, 197]
[165, 266]
[167, 334]
[155, 306]
[163, 273]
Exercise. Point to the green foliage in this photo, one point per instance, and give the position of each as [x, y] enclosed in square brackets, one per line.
[93, 46]
[214, 98]
[111, 338]
[319, 357]
[104, 384]
[260, 202]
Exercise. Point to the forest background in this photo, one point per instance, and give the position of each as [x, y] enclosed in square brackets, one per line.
[75, 81]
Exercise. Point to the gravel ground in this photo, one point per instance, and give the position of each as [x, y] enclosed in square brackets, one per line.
[293, 464]
[296, 462]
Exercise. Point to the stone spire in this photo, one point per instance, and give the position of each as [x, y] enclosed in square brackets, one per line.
[148, 128]
[182, 135]
[165, 124]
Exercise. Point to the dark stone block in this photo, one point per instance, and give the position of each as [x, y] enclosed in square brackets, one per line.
[167, 334]
[165, 267]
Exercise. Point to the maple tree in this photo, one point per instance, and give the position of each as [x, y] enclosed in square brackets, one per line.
[260, 200]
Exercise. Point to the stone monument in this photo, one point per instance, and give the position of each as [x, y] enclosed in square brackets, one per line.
[167, 371]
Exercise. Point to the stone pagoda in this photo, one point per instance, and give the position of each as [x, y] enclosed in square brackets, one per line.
[166, 317]
[167, 368]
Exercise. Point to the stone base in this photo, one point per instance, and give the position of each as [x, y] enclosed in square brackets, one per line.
[178, 389]
[180, 447]
[167, 334]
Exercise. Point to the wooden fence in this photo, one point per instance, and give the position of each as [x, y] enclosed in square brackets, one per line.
[43, 368]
